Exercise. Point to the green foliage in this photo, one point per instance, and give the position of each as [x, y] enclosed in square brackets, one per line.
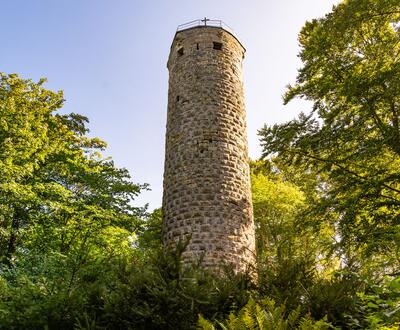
[285, 267]
[65, 212]
[276, 204]
[117, 293]
[349, 144]
[295, 261]
[54, 183]
[149, 235]
[351, 138]
[290, 250]
[264, 316]
[128, 291]
[162, 294]
[45, 291]
[378, 307]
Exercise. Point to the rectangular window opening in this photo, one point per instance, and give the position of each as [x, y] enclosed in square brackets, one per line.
[217, 45]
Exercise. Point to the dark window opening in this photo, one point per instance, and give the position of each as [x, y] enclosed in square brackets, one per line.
[180, 51]
[197, 46]
[177, 98]
[217, 45]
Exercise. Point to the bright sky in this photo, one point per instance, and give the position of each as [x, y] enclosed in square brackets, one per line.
[109, 57]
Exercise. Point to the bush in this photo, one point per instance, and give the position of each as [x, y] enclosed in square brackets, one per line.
[378, 307]
[136, 291]
[264, 316]
[162, 294]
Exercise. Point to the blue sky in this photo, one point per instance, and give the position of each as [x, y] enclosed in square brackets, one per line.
[110, 58]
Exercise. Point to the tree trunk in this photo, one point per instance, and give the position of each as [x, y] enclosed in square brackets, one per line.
[12, 241]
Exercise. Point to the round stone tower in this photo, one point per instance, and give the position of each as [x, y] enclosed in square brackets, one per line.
[207, 196]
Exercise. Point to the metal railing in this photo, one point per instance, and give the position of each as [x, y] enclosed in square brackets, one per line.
[205, 22]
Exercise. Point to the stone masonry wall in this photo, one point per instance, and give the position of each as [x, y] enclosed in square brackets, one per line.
[206, 177]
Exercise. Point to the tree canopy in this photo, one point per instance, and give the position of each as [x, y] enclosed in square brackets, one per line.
[54, 182]
[351, 74]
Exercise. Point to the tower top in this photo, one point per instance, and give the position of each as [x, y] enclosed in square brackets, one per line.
[205, 22]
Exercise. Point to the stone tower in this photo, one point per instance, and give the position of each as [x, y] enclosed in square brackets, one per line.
[207, 193]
